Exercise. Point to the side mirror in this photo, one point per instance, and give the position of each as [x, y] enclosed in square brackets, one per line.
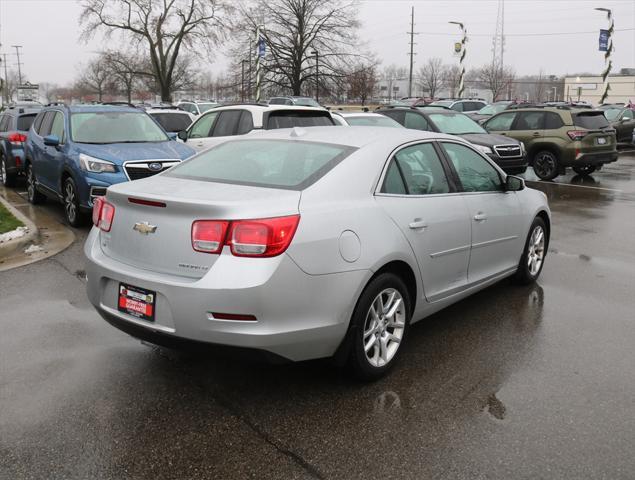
[625, 119]
[172, 135]
[52, 140]
[182, 135]
[514, 184]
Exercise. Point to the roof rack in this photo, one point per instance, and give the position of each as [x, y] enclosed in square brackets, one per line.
[255, 104]
[119, 104]
[56, 104]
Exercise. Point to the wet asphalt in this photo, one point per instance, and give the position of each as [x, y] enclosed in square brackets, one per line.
[514, 382]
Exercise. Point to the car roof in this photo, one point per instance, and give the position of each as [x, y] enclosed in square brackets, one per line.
[359, 114]
[167, 110]
[98, 108]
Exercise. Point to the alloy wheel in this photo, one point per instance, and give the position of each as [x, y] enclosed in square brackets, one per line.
[384, 327]
[30, 180]
[3, 171]
[69, 202]
[536, 252]
[544, 165]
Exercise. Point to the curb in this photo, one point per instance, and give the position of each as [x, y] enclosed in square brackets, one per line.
[10, 246]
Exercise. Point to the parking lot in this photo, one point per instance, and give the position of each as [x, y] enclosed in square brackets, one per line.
[514, 382]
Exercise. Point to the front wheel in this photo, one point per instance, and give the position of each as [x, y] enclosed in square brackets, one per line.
[546, 165]
[379, 326]
[533, 257]
[584, 169]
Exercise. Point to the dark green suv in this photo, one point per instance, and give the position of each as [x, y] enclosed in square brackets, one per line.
[557, 138]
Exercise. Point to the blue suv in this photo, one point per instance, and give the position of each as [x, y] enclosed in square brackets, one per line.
[73, 153]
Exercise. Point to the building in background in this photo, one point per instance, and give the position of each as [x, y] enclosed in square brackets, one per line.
[589, 88]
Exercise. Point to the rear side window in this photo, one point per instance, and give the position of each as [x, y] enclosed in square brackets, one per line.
[298, 118]
[500, 122]
[25, 122]
[173, 122]
[553, 121]
[227, 123]
[416, 121]
[283, 164]
[590, 120]
[530, 121]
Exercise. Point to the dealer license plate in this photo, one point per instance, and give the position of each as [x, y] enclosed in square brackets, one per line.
[601, 141]
[137, 302]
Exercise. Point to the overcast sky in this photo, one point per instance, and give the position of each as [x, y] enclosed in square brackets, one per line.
[557, 36]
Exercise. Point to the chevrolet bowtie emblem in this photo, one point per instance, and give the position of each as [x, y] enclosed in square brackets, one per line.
[144, 228]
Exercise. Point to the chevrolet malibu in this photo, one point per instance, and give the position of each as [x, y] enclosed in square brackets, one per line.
[310, 243]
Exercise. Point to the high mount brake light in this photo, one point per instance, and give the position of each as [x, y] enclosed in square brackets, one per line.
[266, 237]
[103, 214]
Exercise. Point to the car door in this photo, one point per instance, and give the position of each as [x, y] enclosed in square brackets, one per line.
[38, 150]
[52, 159]
[528, 126]
[201, 131]
[501, 124]
[625, 126]
[496, 240]
[417, 193]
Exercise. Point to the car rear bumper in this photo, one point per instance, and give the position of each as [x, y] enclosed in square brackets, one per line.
[593, 158]
[299, 316]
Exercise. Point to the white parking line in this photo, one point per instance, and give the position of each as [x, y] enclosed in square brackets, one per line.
[577, 186]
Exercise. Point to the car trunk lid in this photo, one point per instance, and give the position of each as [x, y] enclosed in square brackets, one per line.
[599, 136]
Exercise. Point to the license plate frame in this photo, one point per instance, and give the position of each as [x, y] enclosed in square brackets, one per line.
[601, 141]
[137, 302]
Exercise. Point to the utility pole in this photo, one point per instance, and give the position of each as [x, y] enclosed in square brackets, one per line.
[17, 53]
[412, 34]
[242, 80]
[6, 81]
[317, 75]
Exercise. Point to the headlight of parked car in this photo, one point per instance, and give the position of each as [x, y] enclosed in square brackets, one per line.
[95, 165]
[484, 149]
[522, 148]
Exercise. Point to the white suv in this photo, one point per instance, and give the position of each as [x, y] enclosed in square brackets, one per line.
[196, 108]
[461, 105]
[216, 125]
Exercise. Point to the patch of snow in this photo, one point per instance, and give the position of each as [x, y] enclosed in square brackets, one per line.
[13, 234]
[33, 249]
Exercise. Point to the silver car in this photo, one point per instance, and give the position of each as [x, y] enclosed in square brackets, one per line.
[309, 243]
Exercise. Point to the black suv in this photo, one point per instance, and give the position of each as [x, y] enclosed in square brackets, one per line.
[14, 126]
[507, 153]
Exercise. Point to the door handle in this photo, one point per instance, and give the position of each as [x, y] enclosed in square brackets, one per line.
[480, 217]
[417, 224]
[535, 134]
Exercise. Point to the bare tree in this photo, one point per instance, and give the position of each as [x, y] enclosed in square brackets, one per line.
[495, 79]
[96, 78]
[126, 69]
[452, 78]
[163, 27]
[10, 85]
[539, 87]
[432, 76]
[363, 82]
[294, 29]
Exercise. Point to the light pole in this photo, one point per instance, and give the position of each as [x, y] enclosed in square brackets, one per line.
[462, 54]
[317, 74]
[555, 97]
[242, 80]
[577, 80]
[607, 55]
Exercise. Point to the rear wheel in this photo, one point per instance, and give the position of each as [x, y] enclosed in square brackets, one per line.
[35, 197]
[74, 216]
[546, 165]
[379, 326]
[584, 169]
[533, 258]
[7, 179]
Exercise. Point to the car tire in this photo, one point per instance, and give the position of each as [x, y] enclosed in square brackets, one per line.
[376, 337]
[584, 170]
[545, 164]
[534, 253]
[33, 195]
[70, 198]
[7, 179]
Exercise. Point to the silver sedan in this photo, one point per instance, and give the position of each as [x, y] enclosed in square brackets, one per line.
[309, 243]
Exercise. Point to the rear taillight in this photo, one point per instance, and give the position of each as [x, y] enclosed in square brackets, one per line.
[208, 236]
[577, 134]
[265, 237]
[103, 214]
[16, 138]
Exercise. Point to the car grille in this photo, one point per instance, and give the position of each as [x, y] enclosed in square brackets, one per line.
[506, 151]
[147, 168]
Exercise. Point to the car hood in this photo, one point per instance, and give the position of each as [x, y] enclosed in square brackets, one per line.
[124, 152]
[489, 139]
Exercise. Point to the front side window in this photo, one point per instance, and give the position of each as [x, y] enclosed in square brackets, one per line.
[38, 121]
[203, 126]
[457, 107]
[416, 121]
[47, 121]
[115, 127]
[420, 171]
[246, 123]
[57, 127]
[284, 164]
[530, 121]
[475, 173]
[627, 114]
[502, 122]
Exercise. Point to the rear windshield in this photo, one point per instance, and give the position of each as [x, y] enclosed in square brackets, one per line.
[172, 121]
[372, 121]
[298, 118]
[284, 164]
[590, 120]
[25, 121]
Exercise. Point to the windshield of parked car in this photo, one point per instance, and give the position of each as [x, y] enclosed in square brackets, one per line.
[115, 127]
[372, 121]
[306, 102]
[492, 109]
[455, 123]
[25, 121]
[443, 103]
[172, 121]
[204, 107]
[612, 113]
[284, 164]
